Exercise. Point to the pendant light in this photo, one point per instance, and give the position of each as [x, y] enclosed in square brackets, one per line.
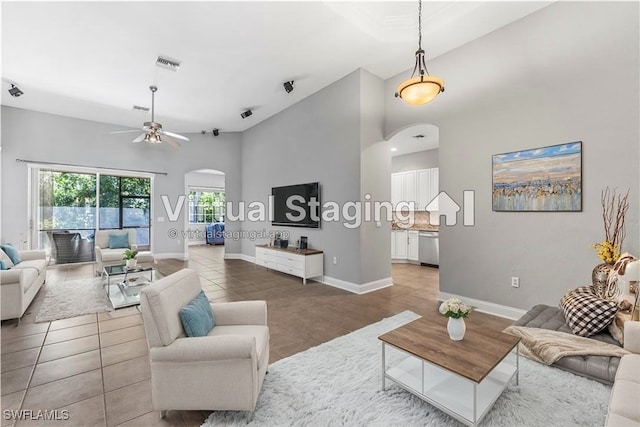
[423, 88]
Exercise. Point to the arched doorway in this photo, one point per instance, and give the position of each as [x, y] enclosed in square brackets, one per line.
[206, 203]
[415, 179]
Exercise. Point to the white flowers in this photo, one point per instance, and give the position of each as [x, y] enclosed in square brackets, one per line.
[454, 307]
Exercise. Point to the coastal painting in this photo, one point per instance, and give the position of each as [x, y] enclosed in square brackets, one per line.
[547, 179]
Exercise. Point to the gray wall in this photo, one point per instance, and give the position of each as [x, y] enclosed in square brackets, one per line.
[319, 139]
[576, 78]
[44, 137]
[375, 171]
[413, 161]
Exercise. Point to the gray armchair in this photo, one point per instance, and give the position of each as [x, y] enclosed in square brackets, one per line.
[222, 371]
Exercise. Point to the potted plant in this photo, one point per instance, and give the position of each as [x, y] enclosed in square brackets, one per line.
[130, 257]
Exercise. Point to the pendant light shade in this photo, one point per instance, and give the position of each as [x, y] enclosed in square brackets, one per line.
[423, 88]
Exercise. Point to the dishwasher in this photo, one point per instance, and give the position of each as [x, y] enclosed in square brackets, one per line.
[428, 248]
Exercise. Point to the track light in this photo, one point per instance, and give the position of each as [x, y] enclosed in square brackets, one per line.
[246, 114]
[216, 132]
[288, 86]
[15, 91]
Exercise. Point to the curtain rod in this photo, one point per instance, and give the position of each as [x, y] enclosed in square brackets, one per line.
[92, 167]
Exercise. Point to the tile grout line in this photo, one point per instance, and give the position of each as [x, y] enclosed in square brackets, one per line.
[104, 393]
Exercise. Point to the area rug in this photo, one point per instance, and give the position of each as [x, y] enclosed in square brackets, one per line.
[338, 384]
[73, 298]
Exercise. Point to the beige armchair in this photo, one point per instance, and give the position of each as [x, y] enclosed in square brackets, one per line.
[106, 256]
[222, 371]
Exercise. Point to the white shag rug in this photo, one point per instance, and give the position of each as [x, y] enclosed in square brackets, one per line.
[338, 384]
[73, 298]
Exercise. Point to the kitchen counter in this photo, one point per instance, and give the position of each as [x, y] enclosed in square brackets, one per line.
[419, 227]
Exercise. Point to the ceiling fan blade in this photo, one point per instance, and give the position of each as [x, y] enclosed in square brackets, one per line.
[140, 138]
[175, 135]
[124, 131]
[171, 141]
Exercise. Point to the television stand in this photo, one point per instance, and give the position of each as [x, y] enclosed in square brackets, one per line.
[303, 263]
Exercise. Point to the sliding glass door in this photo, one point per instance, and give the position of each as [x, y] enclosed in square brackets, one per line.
[69, 206]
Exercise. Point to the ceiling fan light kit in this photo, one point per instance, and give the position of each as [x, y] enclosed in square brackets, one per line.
[424, 88]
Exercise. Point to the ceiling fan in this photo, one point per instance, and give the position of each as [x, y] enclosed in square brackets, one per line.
[153, 132]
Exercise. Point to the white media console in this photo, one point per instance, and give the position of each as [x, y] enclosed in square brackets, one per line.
[304, 263]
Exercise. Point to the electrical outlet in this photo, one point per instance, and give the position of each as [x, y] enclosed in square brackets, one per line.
[515, 282]
[335, 260]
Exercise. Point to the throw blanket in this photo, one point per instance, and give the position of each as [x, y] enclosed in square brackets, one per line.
[547, 347]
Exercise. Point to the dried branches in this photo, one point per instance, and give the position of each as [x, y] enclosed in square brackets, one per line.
[614, 210]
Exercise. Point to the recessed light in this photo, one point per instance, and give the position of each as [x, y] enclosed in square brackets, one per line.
[394, 149]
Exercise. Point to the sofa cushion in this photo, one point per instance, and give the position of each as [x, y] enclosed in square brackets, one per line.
[625, 392]
[11, 254]
[586, 314]
[36, 264]
[197, 317]
[109, 255]
[118, 241]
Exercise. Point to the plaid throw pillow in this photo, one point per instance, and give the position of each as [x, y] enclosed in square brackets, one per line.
[585, 313]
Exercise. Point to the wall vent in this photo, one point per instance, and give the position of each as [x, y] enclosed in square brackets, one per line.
[167, 63]
[140, 108]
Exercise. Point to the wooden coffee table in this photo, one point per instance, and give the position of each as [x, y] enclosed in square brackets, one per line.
[461, 378]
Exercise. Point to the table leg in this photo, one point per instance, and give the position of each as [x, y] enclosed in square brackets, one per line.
[383, 366]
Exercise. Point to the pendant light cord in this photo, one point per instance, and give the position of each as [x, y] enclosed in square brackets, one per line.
[419, 24]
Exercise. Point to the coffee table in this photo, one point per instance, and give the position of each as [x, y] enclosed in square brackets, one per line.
[461, 378]
[124, 284]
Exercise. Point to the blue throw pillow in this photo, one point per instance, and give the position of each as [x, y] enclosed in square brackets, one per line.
[119, 241]
[3, 265]
[197, 317]
[12, 253]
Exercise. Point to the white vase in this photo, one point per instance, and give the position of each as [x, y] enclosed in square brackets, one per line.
[456, 328]
[131, 263]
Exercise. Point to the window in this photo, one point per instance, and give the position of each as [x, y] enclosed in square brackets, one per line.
[125, 202]
[206, 207]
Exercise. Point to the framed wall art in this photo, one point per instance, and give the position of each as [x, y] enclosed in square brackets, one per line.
[546, 179]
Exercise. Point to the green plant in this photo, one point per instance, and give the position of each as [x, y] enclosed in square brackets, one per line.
[129, 254]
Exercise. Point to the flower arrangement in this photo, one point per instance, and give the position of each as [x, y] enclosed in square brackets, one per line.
[614, 210]
[454, 307]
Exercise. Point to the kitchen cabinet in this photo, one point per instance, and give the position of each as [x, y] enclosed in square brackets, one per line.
[419, 186]
[399, 244]
[412, 254]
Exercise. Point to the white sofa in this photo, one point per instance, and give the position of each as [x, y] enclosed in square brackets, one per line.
[20, 284]
[624, 404]
[106, 256]
[222, 371]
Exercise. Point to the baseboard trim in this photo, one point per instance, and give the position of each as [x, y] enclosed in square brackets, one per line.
[196, 242]
[171, 255]
[243, 257]
[487, 307]
[355, 288]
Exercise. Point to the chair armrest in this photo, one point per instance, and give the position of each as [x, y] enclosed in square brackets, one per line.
[632, 336]
[30, 255]
[240, 313]
[8, 277]
[98, 252]
[204, 349]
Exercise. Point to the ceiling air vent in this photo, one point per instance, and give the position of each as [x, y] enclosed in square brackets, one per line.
[418, 136]
[167, 63]
[140, 108]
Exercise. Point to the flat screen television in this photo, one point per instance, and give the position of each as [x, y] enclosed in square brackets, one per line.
[293, 205]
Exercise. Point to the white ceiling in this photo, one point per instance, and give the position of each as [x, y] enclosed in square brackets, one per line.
[95, 60]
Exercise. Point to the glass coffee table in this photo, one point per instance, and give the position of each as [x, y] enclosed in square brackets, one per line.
[124, 284]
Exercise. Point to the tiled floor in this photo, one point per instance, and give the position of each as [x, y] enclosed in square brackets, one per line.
[96, 366]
